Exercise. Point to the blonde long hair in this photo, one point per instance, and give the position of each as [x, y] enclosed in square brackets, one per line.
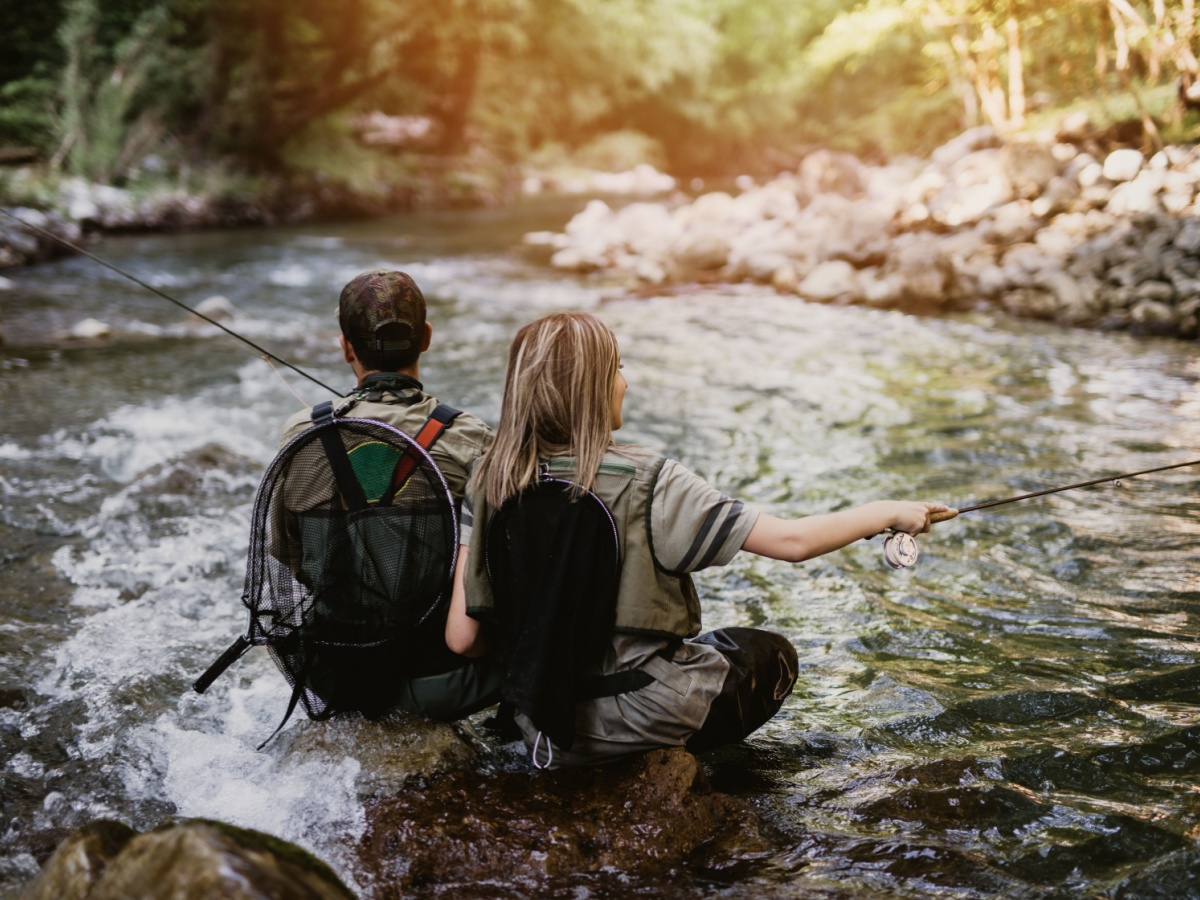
[557, 402]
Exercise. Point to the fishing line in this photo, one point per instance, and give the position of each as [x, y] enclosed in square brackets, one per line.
[900, 549]
[267, 353]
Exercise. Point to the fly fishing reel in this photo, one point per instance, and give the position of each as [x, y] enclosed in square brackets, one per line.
[900, 550]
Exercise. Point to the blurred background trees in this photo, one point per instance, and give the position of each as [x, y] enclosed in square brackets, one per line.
[109, 89]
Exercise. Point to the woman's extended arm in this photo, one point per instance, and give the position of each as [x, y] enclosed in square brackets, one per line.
[795, 540]
[464, 635]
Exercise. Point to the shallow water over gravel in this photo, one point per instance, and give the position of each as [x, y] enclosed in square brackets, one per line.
[1015, 716]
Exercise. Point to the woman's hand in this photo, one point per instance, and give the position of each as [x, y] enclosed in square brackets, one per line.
[913, 517]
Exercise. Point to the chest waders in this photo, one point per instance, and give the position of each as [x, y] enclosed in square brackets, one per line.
[353, 544]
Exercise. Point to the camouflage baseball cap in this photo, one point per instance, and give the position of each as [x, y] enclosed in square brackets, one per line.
[382, 310]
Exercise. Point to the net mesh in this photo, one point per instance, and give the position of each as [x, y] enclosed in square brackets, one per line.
[349, 554]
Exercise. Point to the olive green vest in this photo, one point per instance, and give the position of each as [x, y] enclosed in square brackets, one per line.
[650, 600]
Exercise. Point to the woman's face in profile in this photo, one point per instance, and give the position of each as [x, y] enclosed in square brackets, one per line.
[618, 397]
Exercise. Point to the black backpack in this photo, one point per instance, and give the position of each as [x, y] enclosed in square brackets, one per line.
[353, 545]
[553, 560]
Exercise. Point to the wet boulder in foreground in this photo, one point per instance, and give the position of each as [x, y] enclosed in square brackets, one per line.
[650, 813]
[80, 860]
[192, 860]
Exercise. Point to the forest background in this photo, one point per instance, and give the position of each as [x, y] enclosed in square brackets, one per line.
[379, 105]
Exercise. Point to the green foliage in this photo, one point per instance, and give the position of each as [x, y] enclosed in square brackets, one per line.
[27, 72]
[865, 85]
[27, 112]
[121, 81]
[694, 86]
[365, 179]
[619, 151]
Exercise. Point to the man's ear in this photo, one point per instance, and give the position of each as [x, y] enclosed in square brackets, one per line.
[347, 350]
[428, 337]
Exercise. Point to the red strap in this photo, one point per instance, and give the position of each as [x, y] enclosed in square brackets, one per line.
[426, 438]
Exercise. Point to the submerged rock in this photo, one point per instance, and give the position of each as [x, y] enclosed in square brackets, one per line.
[957, 807]
[1169, 878]
[1119, 841]
[646, 814]
[192, 860]
[1050, 770]
[965, 873]
[1181, 684]
[90, 329]
[1175, 753]
[1029, 707]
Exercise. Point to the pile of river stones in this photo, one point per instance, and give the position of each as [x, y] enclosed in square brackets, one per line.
[1053, 227]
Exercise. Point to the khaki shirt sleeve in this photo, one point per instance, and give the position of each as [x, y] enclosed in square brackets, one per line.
[297, 424]
[459, 449]
[466, 521]
[693, 525]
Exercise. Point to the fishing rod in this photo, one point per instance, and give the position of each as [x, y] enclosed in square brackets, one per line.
[245, 340]
[900, 548]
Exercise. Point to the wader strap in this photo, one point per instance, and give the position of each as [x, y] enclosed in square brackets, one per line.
[439, 420]
[657, 668]
[224, 661]
[613, 685]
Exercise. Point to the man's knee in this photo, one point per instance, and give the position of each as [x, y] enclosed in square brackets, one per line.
[455, 694]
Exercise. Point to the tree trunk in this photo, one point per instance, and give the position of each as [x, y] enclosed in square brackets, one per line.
[455, 107]
[1121, 37]
[1016, 74]
[991, 83]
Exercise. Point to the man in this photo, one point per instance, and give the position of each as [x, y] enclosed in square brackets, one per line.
[384, 333]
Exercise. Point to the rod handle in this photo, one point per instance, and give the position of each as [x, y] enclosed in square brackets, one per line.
[943, 516]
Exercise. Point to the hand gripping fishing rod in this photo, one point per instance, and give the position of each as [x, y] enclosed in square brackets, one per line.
[266, 353]
[900, 548]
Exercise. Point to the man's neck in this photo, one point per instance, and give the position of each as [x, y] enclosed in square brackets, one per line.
[412, 372]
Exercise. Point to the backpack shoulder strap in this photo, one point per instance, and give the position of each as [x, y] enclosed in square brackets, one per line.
[324, 414]
[439, 420]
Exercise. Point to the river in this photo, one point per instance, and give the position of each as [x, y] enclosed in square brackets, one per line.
[1015, 715]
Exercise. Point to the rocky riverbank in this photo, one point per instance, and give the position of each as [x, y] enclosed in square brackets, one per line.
[1059, 227]
[74, 209]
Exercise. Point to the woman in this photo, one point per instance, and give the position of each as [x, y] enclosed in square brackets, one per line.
[563, 396]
